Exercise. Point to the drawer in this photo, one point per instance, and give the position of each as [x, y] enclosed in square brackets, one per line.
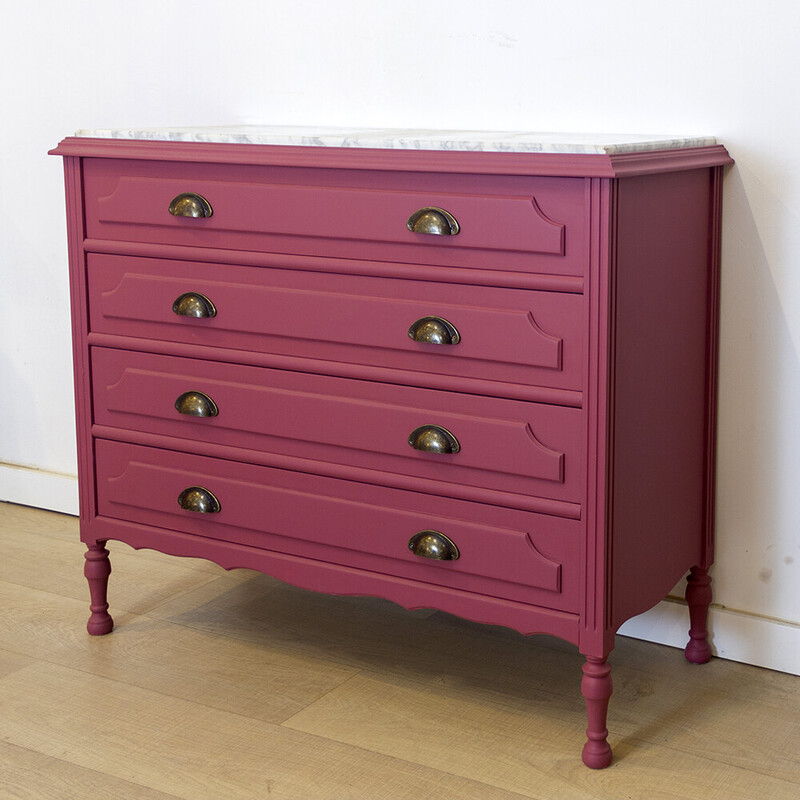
[505, 335]
[501, 552]
[503, 222]
[505, 445]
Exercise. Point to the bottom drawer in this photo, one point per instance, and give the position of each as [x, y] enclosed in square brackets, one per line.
[502, 552]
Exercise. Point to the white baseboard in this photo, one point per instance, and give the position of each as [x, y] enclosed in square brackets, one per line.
[736, 636]
[53, 491]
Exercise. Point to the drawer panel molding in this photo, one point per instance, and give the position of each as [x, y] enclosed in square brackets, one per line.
[504, 335]
[504, 222]
[289, 512]
[503, 444]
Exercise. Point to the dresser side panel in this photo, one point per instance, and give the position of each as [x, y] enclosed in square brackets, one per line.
[662, 286]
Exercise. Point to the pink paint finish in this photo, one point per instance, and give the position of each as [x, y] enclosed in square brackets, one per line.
[582, 392]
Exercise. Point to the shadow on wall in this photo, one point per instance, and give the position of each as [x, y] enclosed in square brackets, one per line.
[758, 460]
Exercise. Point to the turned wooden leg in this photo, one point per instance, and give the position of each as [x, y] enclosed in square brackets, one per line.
[97, 569]
[596, 688]
[698, 597]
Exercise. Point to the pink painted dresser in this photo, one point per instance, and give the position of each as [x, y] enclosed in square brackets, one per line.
[461, 375]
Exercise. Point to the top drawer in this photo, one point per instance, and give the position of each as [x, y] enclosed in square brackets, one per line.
[501, 222]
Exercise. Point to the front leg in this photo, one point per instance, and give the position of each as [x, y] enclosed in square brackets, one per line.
[596, 688]
[97, 569]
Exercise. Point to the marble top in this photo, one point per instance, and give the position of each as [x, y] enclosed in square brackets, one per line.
[412, 139]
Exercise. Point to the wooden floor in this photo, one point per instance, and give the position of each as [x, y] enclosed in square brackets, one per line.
[232, 685]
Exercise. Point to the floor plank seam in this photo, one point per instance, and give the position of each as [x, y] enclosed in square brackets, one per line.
[412, 765]
[284, 723]
[147, 688]
[92, 770]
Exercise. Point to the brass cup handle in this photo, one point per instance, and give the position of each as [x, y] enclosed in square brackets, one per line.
[434, 545]
[193, 304]
[434, 330]
[434, 439]
[190, 204]
[196, 404]
[199, 500]
[435, 221]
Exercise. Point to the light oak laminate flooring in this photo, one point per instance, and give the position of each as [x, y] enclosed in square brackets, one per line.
[233, 685]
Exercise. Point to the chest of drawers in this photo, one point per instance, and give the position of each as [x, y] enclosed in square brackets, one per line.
[482, 382]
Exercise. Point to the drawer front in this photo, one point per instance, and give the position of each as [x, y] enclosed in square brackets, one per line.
[502, 222]
[506, 335]
[501, 552]
[505, 445]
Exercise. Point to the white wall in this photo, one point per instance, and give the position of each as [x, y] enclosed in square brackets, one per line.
[724, 67]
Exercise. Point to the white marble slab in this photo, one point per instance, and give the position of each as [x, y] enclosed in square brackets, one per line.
[399, 139]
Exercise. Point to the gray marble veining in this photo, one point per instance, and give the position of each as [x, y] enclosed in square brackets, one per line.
[412, 139]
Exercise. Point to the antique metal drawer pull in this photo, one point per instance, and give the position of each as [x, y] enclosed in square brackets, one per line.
[196, 404]
[194, 304]
[434, 439]
[434, 330]
[199, 500]
[434, 221]
[433, 544]
[190, 204]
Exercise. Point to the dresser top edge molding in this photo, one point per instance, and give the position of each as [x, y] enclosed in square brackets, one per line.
[613, 159]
